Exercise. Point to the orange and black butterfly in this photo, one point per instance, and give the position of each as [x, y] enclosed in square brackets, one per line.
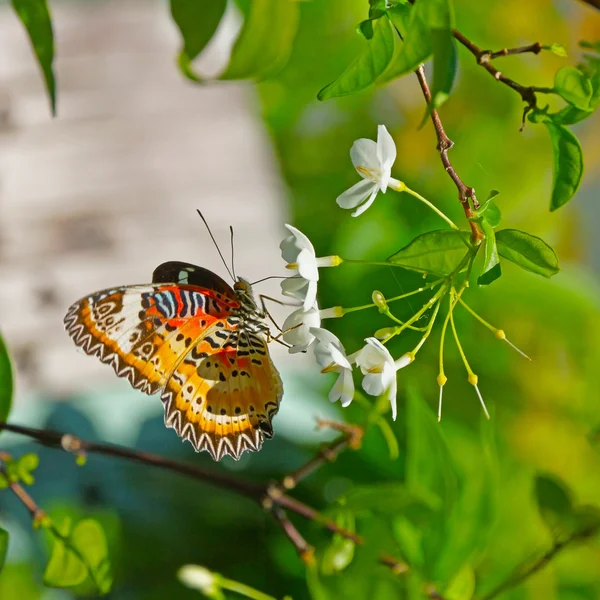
[199, 342]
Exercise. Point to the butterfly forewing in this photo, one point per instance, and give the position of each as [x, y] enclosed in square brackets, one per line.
[219, 387]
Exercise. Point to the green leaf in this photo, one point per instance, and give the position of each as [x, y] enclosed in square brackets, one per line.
[489, 210]
[462, 585]
[266, 39]
[368, 65]
[197, 23]
[570, 115]
[3, 547]
[573, 86]
[25, 466]
[6, 382]
[554, 503]
[426, 17]
[528, 251]
[340, 552]
[557, 49]
[568, 164]
[490, 271]
[444, 66]
[35, 17]
[79, 557]
[436, 252]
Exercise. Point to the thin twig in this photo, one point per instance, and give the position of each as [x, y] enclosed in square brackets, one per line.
[305, 551]
[352, 438]
[397, 567]
[484, 58]
[534, 48]
[466, 194]
[268, 496]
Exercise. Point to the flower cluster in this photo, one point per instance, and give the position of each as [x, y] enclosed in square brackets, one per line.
[302, 330]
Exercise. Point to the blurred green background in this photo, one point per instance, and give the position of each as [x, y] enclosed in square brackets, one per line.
[544, 413]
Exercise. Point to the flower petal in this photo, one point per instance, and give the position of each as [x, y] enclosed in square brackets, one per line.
[297, 328]
[302, 242]
[359, 192]
[311, 297]
[294, 287]
[343, 388]
[372, 384]
[392, 393]
[307, 265]
[364, 154]
[361, 209]
[386, 149]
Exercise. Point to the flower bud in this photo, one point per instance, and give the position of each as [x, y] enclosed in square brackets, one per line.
[379, 301]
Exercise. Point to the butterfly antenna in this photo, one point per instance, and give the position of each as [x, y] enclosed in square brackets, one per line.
[212, 237]
[232, 252]
[270, 277]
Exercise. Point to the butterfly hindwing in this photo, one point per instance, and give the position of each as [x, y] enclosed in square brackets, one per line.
[224, 402]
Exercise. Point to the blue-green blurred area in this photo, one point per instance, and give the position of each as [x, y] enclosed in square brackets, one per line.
[461, 492]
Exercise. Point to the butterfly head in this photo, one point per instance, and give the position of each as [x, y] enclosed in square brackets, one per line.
[243, 289]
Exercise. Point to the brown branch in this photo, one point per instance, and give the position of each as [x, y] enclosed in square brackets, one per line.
[396, 566]
[465, 193]
[305, 551]
[534, 48]
[484, 58]
[268, 496]
[352, 438]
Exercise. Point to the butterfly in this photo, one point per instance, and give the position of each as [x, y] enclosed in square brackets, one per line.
[199, 342]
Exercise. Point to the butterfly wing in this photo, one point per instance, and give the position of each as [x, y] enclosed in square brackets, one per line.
[142, 331]
[162, 337]
[224, 401]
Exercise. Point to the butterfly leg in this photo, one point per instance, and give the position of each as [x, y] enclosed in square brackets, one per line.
[266, 312]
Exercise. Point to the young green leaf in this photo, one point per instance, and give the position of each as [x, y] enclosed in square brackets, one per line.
[573, 86]
[528, 251]
[436, 252]
[368, 65]
[25, 466]
[557, 49]
[3, 546]
[462, 585]
[6, 382]
[35, 16]
[265, 42]
[554, 503]
[340, 552]
[489, 210]
[568, 164]
[490, 271]
[197, 23]
[79, 556]
[570, 115]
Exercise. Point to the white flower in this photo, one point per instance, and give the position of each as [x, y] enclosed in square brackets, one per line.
[298, 251]
[373, 162]
[199, 578]
[297, 326]
[379, 370]
[331, 356]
